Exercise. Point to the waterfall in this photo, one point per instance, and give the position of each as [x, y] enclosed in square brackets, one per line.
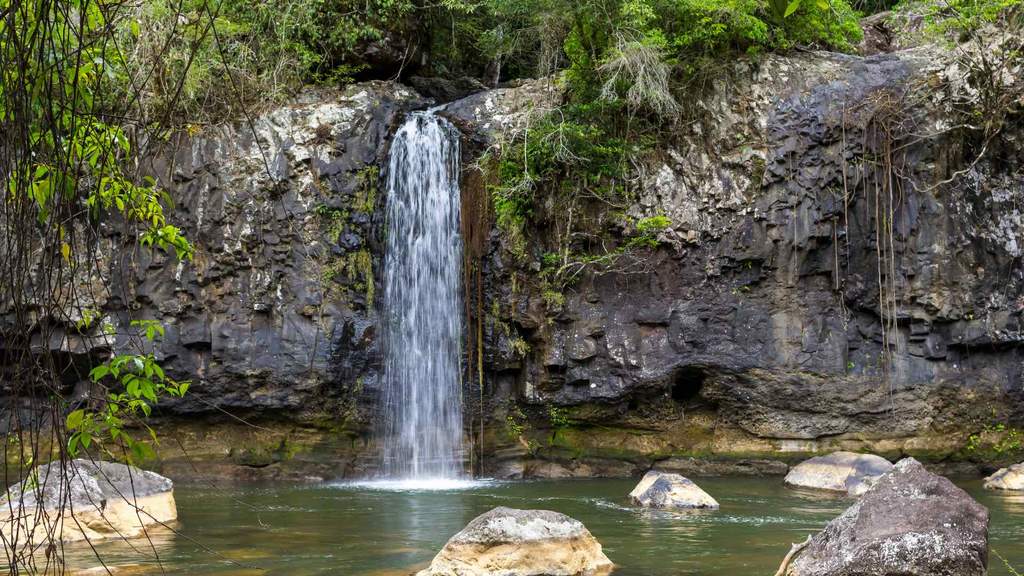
[422, 424]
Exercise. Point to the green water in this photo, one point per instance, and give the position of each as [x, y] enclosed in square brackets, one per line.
[297, 530]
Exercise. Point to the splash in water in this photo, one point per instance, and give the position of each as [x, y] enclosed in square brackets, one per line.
[422, 426]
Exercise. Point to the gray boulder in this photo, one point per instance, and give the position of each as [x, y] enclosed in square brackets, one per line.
[86, 500]
[510, 542]
[1011, 478]
[911, 522]
[666, 490]
[839, 472]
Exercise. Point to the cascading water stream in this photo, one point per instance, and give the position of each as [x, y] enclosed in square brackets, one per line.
[422, 427]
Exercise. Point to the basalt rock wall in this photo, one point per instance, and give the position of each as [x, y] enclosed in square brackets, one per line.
[842, 270]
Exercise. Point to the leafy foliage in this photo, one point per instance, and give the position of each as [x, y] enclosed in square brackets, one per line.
[997, 439]
[67, 163]
[210, 57]
[957, 19]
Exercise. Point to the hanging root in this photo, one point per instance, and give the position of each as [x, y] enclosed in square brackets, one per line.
[793, 551]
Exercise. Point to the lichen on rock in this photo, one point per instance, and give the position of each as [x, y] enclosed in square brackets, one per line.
[86, 500]
[513, 542]
[910, 522]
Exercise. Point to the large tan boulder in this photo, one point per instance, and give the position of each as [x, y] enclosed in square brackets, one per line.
[1011, 478]
[667, 491]
[511, 542]
[84, 500]
[839, 472]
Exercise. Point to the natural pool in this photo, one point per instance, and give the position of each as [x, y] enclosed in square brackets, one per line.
[363, 531]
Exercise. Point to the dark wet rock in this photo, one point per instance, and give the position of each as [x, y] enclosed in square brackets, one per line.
[754, 331]
[270, 318]
[910, 522]
[445, 89]
[756, 326]
[689, 466]
[878, 34]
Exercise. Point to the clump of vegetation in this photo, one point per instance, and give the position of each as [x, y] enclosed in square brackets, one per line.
[647, 230]
[332, 220]
[515, 421]
[360, 269]
[199, 59]
[998, 440]
[520, 346]
[558, 417]
[957, 19]
[366, 193]
[628, 67]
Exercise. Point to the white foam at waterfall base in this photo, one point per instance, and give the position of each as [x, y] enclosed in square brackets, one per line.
[421, 427]
[419, 484]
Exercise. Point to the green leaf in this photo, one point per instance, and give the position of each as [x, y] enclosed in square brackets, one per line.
[142, 451]
[132, 386]
[74, 420]
[793, 6]
[97, 373]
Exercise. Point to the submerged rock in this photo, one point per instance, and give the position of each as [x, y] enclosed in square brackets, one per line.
[510, 542]
[910, 522]
[82, 499]
[839, 472]
[666, 490]
[1011, 478]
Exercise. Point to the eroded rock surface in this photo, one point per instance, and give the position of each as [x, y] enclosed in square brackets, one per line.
[670, 491]
[758, 326]
[839, 472]
[1010, 478]
[910, 522]
[82, 499]
[757, 329]
[510, 542]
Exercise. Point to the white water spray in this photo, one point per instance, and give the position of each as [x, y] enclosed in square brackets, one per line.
[422, 425]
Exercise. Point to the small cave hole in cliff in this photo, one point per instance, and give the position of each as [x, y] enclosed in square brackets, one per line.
[687, 384]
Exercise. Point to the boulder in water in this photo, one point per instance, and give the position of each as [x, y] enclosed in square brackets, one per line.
[667, 490]
[1011, 478]
[839, 472]
[82, 499]
[510, 542]
[910, 522]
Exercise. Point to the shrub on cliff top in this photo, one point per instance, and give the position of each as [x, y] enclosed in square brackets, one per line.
[216, 56]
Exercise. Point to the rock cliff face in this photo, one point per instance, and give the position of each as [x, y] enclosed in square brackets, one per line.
[843, 270]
